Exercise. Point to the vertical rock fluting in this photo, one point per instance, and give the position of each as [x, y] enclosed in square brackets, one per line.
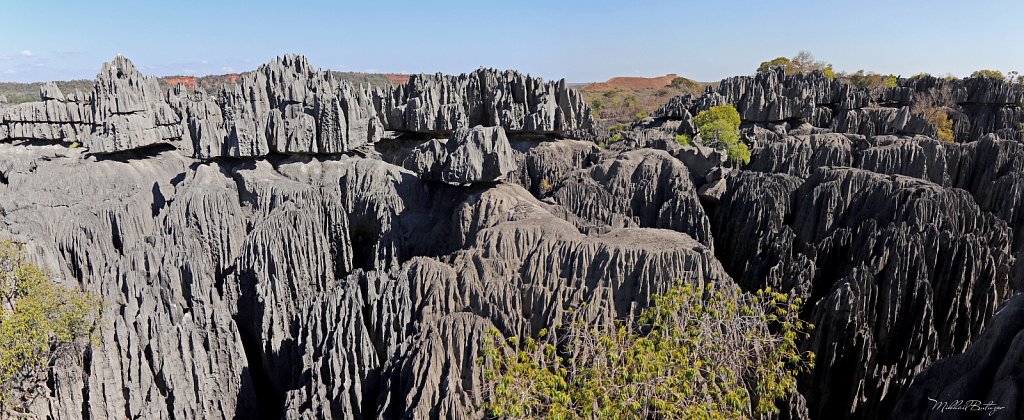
[773, 103]
[885, 314]
[901, 271]
[989, 372]
[258, 258]
[647, 188]
[519, 103]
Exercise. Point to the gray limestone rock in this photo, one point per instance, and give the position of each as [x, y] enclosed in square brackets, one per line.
[440, 104]
[129, 111]
[479, 154]
[989, 372]
[263, 261]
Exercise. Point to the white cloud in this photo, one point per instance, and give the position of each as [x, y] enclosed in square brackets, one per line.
[228, 69]
[26, 53]
[10, 71]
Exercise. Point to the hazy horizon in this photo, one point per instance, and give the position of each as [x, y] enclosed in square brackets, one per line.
[579, 41]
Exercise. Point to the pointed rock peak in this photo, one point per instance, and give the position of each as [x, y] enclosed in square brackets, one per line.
[120, 68]
[290, 62]
[50, 92]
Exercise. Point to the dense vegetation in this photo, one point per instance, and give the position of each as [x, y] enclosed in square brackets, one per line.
[802, 62]
[668, 362]
[41, 324]
[719, 127]
[934, 107]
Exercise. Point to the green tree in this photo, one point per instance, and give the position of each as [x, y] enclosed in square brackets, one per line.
[933, 105]
[719, 127]
[989, 74]
[778, 61]
[666, 363]
[802, 62]
[872, 80]
[41, 324]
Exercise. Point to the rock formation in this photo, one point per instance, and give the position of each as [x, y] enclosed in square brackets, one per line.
[293, 246]
[469, 156]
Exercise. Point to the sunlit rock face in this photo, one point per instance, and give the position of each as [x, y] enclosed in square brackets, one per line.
[297, 246]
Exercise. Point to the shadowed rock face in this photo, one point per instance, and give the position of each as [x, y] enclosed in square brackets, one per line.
[275, 250]
[469, 156]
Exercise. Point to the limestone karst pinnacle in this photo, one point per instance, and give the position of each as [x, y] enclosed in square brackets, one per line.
[293, 245]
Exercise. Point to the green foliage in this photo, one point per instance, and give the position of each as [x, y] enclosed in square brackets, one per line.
[829, 73]
[933, 106]
[41, 324]
[778, 61]
[944, 127]
[596, 106]
[614, 138]
[989, 74]
[618, 127]
[871, 80]
[696, 352]
[687, 85]
[684, 140]
[802, 62]
[640, 116]
[726, 113]
[719, 127]
[545, 186]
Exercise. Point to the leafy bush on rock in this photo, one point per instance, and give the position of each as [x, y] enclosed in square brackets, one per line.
[697, 352]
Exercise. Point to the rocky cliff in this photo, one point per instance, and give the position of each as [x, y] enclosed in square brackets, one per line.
[294, 246]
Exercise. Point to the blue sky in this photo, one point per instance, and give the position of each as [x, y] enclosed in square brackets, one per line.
[579, 40]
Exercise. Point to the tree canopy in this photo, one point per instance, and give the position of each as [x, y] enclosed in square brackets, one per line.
[41, 323]
[989, 74]
[719, 127]
[666, 363]
[802, 62]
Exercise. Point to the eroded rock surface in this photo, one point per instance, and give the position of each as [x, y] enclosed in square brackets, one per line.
[297, 247]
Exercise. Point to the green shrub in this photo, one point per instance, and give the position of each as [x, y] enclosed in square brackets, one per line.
[871, 80]
[944, 127]
[719, 127]
[596, 106]
[802, 62]
[640, 116]
[708, 353]
[545, 186]
[41, 324]
[684, 140]
[829, 73]
[778, 61]
[989, 74]
[614, 138]
[933, 106]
